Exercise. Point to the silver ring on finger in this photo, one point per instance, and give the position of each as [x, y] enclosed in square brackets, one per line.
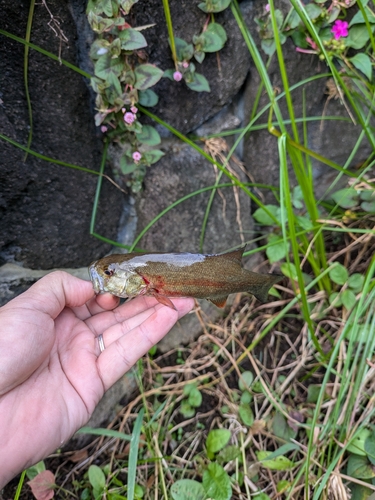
[101, 343]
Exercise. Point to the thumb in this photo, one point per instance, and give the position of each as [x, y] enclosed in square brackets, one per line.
[55, 291]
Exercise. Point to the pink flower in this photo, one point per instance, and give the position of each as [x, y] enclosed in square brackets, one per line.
[340, 29]
[185, 64]
[133, 109]
[103, 128]
[267, 7]
[136, 156]
[129, 118]
[177, 76]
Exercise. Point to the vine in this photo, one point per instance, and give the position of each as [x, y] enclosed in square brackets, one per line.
[123, 77]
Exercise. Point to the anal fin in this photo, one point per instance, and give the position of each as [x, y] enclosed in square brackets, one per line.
[219, 301]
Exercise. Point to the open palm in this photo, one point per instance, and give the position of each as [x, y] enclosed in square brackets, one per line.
[52, 374]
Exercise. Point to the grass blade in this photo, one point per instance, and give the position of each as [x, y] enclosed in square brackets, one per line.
[133, 454]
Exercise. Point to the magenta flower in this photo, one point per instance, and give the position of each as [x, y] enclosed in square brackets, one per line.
[340, 29]
[267, 7]
[129, 118]
[136, 156]
[177, 76]
[133, 109]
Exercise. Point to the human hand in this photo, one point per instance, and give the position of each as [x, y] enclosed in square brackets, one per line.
[52, 373]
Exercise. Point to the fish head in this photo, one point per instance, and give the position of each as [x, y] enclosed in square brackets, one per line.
[116, 279]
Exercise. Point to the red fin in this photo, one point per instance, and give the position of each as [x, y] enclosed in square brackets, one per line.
[235, 255]
[164, 300]
[219, 302]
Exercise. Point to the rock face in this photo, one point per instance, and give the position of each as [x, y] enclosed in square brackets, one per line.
[45, 209]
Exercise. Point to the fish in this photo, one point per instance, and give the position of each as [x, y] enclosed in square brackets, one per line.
[167, 275]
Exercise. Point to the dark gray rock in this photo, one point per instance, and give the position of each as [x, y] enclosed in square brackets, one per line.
[45, 209]
[180, 172]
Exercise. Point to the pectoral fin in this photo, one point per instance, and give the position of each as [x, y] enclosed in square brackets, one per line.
[163, 300]
[219, 301]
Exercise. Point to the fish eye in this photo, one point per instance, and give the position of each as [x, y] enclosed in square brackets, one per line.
[108, 272]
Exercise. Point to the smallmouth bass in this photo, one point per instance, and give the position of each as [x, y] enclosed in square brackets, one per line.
[164, 275]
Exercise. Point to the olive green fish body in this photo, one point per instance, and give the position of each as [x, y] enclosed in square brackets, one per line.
[211, 277]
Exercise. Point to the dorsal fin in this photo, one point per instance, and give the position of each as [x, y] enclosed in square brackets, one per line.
[235, 255]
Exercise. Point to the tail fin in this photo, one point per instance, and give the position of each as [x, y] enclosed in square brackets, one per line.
[261, 293]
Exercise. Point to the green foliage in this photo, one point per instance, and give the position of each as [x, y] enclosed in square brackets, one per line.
[277, 462]
[216, 440]
[187, 489]
[193, 401]
[216, 482]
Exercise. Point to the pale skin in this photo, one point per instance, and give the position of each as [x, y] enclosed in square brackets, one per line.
[52, 373]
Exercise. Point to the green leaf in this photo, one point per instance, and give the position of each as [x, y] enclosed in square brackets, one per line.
[359, 19]
[246, 414]
[199, 83]
[195, 398]
[289, 270]
[99, 24]
[294, 20]
[355, 282]
[313, 393]
[346, 198]
[184, 50]
[228, 454]
[199, 56]
[261, 496]
[96, 477]
[358, 36]
[126, 165]
[213, 39]
[245, 381]
[268, 45]
[187, 489]
[368, 206]
[370, 447]
[36, 469]
[126, 5]
[363, 63]
[278, 463]
[132, 39]
[149, 135]
[186, 410]
[214, 5]
[281, 429]
[106, 66]
[339, 274]
[348, 299]
[335, 299]
[277, 248]
[261, 216]
[313, 10]
[216, 440]
[216, 482]
[146, 75]
[246, 398]
[147, 98]
[357, 444]
[153, 156]
[360, 468]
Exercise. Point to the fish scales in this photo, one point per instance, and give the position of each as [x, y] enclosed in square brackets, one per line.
[212, 277]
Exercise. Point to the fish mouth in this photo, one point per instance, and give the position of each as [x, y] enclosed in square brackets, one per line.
[97, 280]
